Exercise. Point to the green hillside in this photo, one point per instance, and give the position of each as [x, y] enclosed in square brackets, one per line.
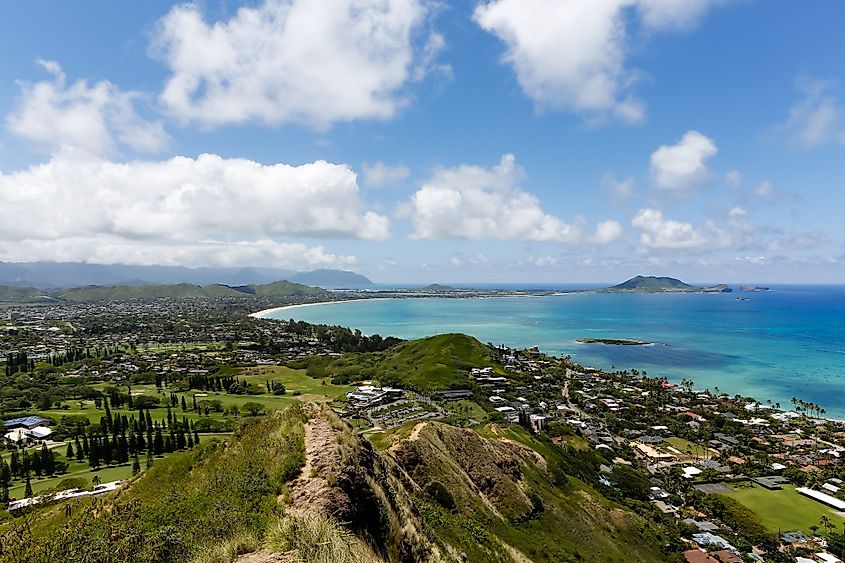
[280, 289]
[11, 294]
[434, 363]
[93, 293]
[301, 485]
[507, 496]
[220, 492]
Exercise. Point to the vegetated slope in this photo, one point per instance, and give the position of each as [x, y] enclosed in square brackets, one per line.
[222, 491]
[276, 489]
[279, 488]
[332, 278]
[653, 284]
[11, 294]
[509, 498]
[125, 292]
[281, 288]
[93, 293]
[434, 363]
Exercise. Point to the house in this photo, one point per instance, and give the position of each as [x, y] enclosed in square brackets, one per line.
[28, 422]
[698, 556]
[706, 539]
[23, 436]
[703, 526]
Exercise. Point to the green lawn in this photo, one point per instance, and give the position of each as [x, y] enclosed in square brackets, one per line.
[684, 445]
[82, 469]
[465, 411]
[784, 510]
[309, 389]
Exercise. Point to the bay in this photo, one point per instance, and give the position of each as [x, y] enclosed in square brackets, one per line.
[789, 342]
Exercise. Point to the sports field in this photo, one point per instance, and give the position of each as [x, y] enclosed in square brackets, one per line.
[784, 510]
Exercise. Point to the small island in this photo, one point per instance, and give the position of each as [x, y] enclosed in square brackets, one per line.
[614, 341]
[654, 284]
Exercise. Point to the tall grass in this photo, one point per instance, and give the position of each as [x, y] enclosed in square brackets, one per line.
[316, 539]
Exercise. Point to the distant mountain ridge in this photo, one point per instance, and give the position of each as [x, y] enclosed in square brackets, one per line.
[664, 284]
[94, 293]
[78, 274]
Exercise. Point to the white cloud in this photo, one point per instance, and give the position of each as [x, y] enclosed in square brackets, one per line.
[115, 250]
[818, 119]
[381, 175]
[607, 232]
[472, 202]
[734, 178]
[620, 189]
[570, 54]
[184, 202]
[314, 62]
[95, 119]
[682, 167]
[660, 233]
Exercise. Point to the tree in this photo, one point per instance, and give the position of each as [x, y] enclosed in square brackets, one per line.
[158, 442]
[253, 408]
[136, 464]
[184, 404]
[48, 464]
[149, 459]
[27, 492]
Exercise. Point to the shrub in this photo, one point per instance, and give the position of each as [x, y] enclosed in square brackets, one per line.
[437, 492]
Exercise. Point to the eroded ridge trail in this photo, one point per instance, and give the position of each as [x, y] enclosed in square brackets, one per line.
[313, 491]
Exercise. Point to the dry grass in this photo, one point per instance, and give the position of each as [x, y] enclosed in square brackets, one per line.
[316, 539]
[229, 550]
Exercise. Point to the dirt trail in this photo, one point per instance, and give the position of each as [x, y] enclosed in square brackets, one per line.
[311, 492]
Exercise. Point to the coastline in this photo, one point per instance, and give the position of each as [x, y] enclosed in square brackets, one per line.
[263, 314]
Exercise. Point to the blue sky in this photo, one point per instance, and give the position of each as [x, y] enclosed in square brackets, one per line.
[415, 141]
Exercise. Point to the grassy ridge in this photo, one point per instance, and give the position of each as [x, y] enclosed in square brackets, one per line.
[182, 506]
[175, 291]
[502, 498]
[428, 364]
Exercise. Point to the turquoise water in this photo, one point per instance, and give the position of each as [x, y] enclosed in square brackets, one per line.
[789, 342]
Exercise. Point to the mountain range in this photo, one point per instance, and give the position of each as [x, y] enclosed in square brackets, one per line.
[77, 274]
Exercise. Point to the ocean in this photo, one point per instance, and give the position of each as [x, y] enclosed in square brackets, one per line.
[785, 343]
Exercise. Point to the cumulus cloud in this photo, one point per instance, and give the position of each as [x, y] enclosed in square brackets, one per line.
[818, 119]
[735, 231]
[607, 232]
[91, 119]
[661, 233]
[184, 202]
[570, 54]
[381, 175]
[313, 62]
[682, 167]
[473, 202]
